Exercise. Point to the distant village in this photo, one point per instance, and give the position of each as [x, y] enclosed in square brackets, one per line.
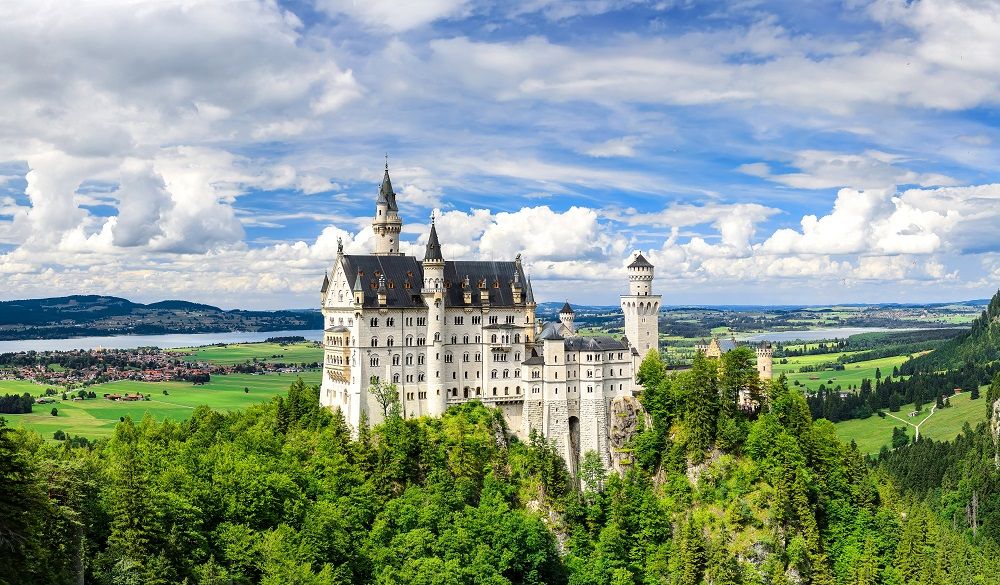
[82, 368]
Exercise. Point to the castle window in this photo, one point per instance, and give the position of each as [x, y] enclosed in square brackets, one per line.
[395, 359]
[409, 359]
[465, 357]
[493, 339]
[409, 340]
[389, 322]
[421, 321]
[408, 321]
[374, 341]
[374, 322]
[506, 373]
[454, 375]
[420, 360]
[535, 374]
[421, 341]
[390, 342]
[590, 389]
[373, 380]
[395, 378]
[447, 358]
[477, 319]
[590, 373]
[374, 361]
[510, 319]
[437, 336]
[517, 390]
[409, 378]
[420, 377]
[517, 373]
[454, 339]
[494, 319]
[493, 374]
[465, 339]
[506, 390]
[517, 356]
[459, 320]
[479, 339]
[479, 357]
[517, 338]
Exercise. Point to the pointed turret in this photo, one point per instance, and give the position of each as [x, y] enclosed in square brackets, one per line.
[566, 308]
[387, 225]
[359, 290]
[433, 250]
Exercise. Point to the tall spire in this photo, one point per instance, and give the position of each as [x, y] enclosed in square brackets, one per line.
[433, 251]
[386, 196]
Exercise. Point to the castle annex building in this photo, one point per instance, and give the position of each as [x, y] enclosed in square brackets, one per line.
[447, 331]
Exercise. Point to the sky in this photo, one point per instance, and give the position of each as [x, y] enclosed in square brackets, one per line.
[756, 152]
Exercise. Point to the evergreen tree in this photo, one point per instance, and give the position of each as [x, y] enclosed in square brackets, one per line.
[701, 393]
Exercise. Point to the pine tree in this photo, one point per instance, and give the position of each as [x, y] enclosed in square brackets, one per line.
[702, 395]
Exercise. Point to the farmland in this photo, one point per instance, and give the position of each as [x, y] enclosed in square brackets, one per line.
[238, 353]
[97, 417]
[851, 375]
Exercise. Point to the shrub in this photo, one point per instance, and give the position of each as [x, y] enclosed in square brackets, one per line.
[54, 411]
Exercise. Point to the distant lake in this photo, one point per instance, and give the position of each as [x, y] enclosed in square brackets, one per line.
[161, 341]
[815, 334]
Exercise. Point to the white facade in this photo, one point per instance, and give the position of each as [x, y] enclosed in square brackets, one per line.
[448, 332]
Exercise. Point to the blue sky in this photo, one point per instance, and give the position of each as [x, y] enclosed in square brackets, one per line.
[757, 152]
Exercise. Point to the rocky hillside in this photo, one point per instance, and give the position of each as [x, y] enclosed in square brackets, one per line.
[83, 315]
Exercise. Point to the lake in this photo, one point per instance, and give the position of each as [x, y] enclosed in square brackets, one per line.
[814, 334]
[161, 341]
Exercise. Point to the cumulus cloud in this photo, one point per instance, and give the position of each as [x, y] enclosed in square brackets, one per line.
[393, 15]
[624, 147]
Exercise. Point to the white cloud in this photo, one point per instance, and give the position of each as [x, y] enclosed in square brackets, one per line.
[624, 147]
[821, 169]
[394, 15]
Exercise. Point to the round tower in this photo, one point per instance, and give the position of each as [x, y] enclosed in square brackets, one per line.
[566, 316]
[387, 225]
[765, 355]
[641, 309]
[640, 277]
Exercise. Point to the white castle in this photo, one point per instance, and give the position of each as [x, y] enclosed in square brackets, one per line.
[452, 331]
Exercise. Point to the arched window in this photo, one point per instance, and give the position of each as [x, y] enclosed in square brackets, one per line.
[506, 373]
[409, 340]
[517, 356]
[395, 359]
[465, 339]
[395, 378]
[465, 357]
[517, 373]
[374, 322]
[454, 339]
[389, 322]
[479, 357]
[420, 377]
[390, 342]
[493, 374]
[517, 338]
[437, 336]
[420, 360]
[447, 357]
[420, 341]
[374, 341]
[374, 361]
[409, 359]
[493, 338]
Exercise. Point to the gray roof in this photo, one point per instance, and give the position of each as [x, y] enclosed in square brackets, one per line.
[550, 332]
[326, 283]
[639, 261]
[337, 329]
[534, 360]
[386, 195]
[433, 251]
[404, 276]
[727, 345]
[600, 343]
[529, 297]
[566, 308]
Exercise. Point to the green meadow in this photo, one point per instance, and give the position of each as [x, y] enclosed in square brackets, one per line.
[871, 434]
[850, 376]
[238, 353]
[96, 418]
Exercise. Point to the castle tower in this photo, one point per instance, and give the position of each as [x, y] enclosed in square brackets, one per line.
[387, 223]
[555, 409]
[765, 355]
[641, 308]
[566, 317]
[433, 295]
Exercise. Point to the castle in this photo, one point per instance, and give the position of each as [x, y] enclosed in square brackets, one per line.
[446, 332]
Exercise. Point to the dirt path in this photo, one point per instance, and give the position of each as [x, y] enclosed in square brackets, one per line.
[915, 426]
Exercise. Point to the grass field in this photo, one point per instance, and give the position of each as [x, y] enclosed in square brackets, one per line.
[98, 417]
[872, 433]
[237, 353]
[850, 376]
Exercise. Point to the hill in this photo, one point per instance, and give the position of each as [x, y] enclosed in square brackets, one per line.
[979, 345]
[83, 315]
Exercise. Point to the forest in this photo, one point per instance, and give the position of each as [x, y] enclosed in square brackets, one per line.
[281, 493]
